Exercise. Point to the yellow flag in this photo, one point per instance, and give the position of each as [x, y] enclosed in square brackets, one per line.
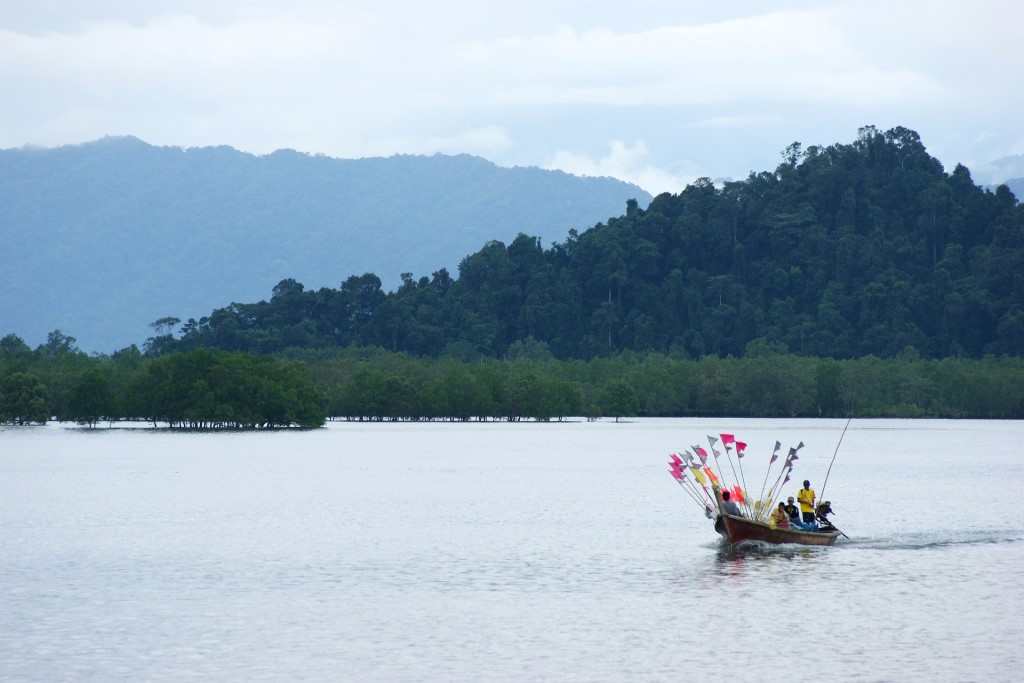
[699, 476]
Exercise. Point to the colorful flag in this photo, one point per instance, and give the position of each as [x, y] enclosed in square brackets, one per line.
[711, 475]
[740, 448]
[676, 459]
[727, 439]
[737, 494]
[676, 474]
[699, 476]
[701, 453]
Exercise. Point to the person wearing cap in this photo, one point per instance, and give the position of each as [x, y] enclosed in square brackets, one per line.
[792, 510]
[806, 499]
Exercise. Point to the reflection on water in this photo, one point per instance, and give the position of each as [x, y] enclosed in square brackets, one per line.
[497, 552]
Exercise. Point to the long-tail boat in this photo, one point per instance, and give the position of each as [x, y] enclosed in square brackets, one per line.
[740, 516]
[738, 529]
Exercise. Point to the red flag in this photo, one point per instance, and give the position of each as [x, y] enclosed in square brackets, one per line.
[676, 459]
[711, 475]
[727, 439]
[737, 493]
[740, 447]
[676, 474]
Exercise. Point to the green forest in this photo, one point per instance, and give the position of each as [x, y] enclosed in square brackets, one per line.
[213, 389]
[855, 279]
[844, 251]
[204, 389]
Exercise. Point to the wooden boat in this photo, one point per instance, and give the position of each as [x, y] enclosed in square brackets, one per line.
[738, 529]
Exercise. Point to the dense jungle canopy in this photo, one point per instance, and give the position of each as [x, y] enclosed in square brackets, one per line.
[841, 251]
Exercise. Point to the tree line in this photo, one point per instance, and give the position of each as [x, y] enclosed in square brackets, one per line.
[202, 389]
[849, 250]
[212, 389]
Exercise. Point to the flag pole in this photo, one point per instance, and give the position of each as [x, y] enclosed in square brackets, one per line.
[775, 451]
[714, 454]
[788, 463]
[746, 491]
[834, 454]
[675, 465]
[696, 500]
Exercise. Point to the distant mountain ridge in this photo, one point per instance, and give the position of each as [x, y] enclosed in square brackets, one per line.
[104, 236]
[1016, 186]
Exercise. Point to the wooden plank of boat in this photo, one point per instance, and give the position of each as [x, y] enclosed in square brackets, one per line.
[739, 529]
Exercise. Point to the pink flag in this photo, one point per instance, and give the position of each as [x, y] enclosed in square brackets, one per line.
[740, 447]
[676, 459]
[676, 474]
[727, 439]
[701, 453]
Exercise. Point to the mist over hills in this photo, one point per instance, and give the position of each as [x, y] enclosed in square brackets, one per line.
[103, 237]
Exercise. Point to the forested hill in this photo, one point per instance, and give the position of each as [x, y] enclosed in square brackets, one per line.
[846, 250]
[102, 238]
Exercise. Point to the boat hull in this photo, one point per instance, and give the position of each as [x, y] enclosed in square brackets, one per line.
[738, 530]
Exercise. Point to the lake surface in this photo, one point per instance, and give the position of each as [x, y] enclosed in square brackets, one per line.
[501, 552]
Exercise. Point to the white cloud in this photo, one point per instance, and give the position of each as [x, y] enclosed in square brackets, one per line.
[484, 141]
[625, 162]
[370, 77]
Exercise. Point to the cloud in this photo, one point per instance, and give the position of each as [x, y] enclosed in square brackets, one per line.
[486, 141]
[370, 77]
[625, 162]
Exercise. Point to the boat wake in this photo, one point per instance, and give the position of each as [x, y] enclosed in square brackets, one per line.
[935, 540]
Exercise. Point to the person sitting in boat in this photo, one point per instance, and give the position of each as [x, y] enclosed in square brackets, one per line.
[780, 518]
[806, 498]
[730, 507]
[822, 513]
[792, 510]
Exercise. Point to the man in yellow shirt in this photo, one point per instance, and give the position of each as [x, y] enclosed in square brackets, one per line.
[806, 500]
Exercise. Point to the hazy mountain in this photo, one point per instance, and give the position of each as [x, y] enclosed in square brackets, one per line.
[103, 237]
[1002, 169]
[1016, 186]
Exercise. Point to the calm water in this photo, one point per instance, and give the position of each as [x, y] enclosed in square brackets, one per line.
[501, 552]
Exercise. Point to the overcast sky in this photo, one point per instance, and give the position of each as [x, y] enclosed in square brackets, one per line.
[650, 91]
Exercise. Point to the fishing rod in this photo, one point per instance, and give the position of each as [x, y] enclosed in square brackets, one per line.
[840, 443]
